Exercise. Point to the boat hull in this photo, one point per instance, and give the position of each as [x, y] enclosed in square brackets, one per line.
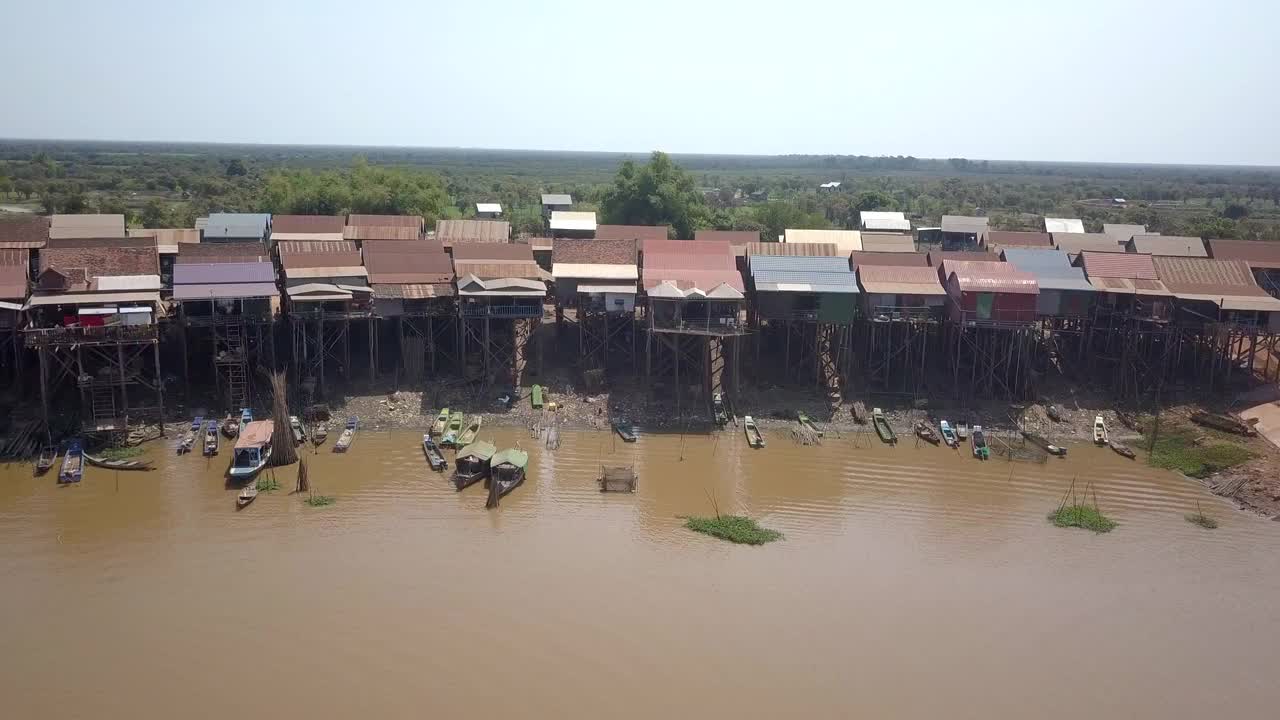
[463, 480]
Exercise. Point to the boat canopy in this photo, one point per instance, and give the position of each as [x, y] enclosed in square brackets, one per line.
[480, 450]
[255, 434]
[510, 456]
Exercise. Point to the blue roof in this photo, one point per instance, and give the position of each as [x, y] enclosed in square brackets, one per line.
[797, 263]
[783, 273]
[1052, 268]
[237, 225]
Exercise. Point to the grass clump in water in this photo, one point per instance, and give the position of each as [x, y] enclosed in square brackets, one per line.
[121, 453]
[1199, 518]
[734, 528]
[1176, 449]
[1082, 516]
[268, 484]
[321, 500]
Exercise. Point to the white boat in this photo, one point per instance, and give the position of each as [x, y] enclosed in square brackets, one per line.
[253, 449]
[1100, 431]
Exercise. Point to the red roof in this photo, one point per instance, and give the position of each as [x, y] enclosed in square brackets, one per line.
[997, 277]
[1133, 266]
[1012, 238]
[632, 232]
[893, 259]
[1259, 254]
[313, 253]
[412, 221]
[396, 263]
[701, 264]
[26, 233]
[937, 257]
[733, 237]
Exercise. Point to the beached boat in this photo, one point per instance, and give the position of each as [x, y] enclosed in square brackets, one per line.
[808, 422]
[252, 450]
[1225, 423]
[1055, 413]
[980, 449]
[948, 434]
[506, 472]
[231, 427]
[435, 458]
[472, 463]
[962, 431]
[248, 494]
[535, 397]
[118, 464]
[1100, 431]
[211, 438]
[926, 433]
[626, 431]
[319, 434]
[441, 424]
[188, 440]
[72, 464]
[468, 436]
[48, 456]
[717, 410]
[1122, 449]
[452, 430]
[299, 432]
[859, 412]
[348, 435]
[883, 429]
[1043, 443]
[754, 438]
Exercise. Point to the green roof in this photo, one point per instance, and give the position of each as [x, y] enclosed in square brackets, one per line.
[511, 456]
[483, 450]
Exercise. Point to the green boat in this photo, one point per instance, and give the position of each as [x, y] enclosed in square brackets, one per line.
[472, 464]
[535, 397]
[506, 472]
[441, 423]
[468, 436]
[807, 422]
[452, 430]
[883, 429]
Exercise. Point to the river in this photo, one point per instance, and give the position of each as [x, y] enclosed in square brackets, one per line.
[912, 583]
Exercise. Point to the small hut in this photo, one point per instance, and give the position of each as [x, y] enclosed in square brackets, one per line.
[617, 479]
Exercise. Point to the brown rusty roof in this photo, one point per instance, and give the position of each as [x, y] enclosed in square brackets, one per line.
[381, 232]
[632, 232]
[391, 262]
[1202, 276]
[704, 264]
[793, 249]
[1131, 266]
[595, 251]
[86, 242]
[492, 252]
[987, 276]
[93, 262]
[733, 237]
[489, 261]
[915, 259]
[1259, 254]
[1076, 243]
[307, 223]
[1012, 238]
[410, 221]
[887, 242]
[1172, 245]
[314, 254]
[24, 233]
[450, 232]
[937, 257]
[167, 236]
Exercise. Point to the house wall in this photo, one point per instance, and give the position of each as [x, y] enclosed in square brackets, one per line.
[875, 300]
[837, 308]
[388, 307]
[1003, 307]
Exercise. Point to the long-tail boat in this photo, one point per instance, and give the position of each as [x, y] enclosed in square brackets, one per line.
[506, 473]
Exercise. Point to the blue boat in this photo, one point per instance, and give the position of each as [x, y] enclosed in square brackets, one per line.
[348, 435]
[252, 450]
[211, 439]
[72, 464]
[246, 417]
[434, 457]
[948, 434]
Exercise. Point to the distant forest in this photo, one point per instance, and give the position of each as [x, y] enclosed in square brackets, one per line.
[170, 185]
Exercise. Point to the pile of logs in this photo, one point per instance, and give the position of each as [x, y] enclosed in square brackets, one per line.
[23, 441]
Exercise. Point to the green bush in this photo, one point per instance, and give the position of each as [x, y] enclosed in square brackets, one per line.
[734, 528]
[1082, 516]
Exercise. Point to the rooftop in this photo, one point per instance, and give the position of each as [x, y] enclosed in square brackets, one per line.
[792, 249]
[94, 262]
[30, 232]
[86, 226]
[409, 221]
[1258, 254]
[1011, 238]
[489, 207]
[493, 261]
[565, 220]
[556, 199]
[1228, 284]
[395, 263]
[1052, 268]
[781, 273]
[450, 232]
[964, 224]
[307, 224]
[595, 251]
[937, 257]
[1132, 266]
[846, 241]
[361, 233]
[1173, 245]
[633, 232]
[899, 280]
[887, 242]
[298, 254]
[1076, 243]
[237, 225]
[883, 220]
[1063, 225]
[997, 277]
[691, 265]
[1123, 233]
[896, 259]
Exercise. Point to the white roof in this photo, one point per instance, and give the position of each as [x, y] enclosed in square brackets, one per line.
[127, 282]
[595, 271]
[1057, 225]
[470, 285]
[573, 220]
[556, 199]
[326, 272]
[668, 289]
[846, 241]
[94, 298]
[489, 207]
[10, 306]
[618, 289]
[832, 184]
[318, 292]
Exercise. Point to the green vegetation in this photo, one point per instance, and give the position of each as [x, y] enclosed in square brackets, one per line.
[1082, 516]
[321, 500]
[362, 189]
[656, 193]
[1199, 518]
[734, 528]
[121, 453]
[1176, 448]
[268, 484]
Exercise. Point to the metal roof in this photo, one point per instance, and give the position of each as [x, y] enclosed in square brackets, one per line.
[1117, 265]
[9, 256]
[899, 280]
[595, 251]
[937, 257]
[1130, 286]
[1173, 245]
[883, 220]
[451, 232]
[964, 224]
[1202, 276]
[412, 291]
[1259, 254]
[493, 252]
[912, 259]
[736, 238]
[1052, 268]
[1011, 238]
[407, 264]
[307, 224]
[409, 221]
[25, 233]
[113, 283]
[792, 249]
[997, 277]
[595, 271]
[1076, 243]
[379, 232]
[1063, 225]
[780, 273]
[97, 298]
[488, 207]
[470, 285]
[325, 271]
[256, 434]
[86, 226]
[574, 221]
[225, 291]
[305, 253]
[600, 288]
[633, 232]
[231, 272]
[846, 241]
[781, 263]
[887, 242]
[237, 225]
[13, 282]
[1123, 233]
[556, 199]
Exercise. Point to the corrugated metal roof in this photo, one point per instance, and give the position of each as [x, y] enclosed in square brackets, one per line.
[690, 264]
[937, 257]
[114, 283]
[793, 249]
[14, 257]
[237, 225]
[1117, 265]
[86, 226]
[498, 270]
[913, 259]
[230, 272]
[964, 224]
[1205, 276]
[633, 232]
[493, 252]
[308, 224]
[595, 271]
[413, 291]
[783, 263]
[1172, 245]
[221, 252]
[396, 263]
[899, 280]
[804, 281]
[597, 251]
[846, 241]
[883, 220]
[995, 277]
[1123, 233]
[411, 221]
[225, 291]
[599, 288]
[538, 244]
[93, 298]
[887, 242]
[24, 233]
[452, 232]
[1011, 238]
[1076, 243]
[473, 286]
[304, 253]
[556, 199]
[1259, 254]
[380, 232]
[736, 238]
[167, 236]
[1063, 225]
[1052, 268]
[1128, 286]
[489, 207]
[325, 271]
[564, 220]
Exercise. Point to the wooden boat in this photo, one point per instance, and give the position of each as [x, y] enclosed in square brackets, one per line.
[468, 436]
[1043, 443]
[211, 438]
[626, 431]
[1055, 413]
[118, 464]
[1100, 430]
[718, 412]
[1122, 449]
[859, 412]
[1225, 423]
[472, 464]
[435, 458]
[506, 473]
[948, 434]
[231, 427]
[319, 434]
[808, 422]
[926, 433]
[441, 423]
[247, 495]
[252, 450]
[348, 435]
[299, 432]
[48, 456]
[452, 430]
[754, 438]
[962, 431]
[535, 397]
[188, 440]
[980, 449]
[883, 429]
[72, 464]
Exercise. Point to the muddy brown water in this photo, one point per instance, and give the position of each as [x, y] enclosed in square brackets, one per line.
[912, 583]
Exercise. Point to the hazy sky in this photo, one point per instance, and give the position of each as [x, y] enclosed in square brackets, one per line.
[1120, 81]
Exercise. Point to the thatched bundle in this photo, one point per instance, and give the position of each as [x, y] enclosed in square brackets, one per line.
[283, 450]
